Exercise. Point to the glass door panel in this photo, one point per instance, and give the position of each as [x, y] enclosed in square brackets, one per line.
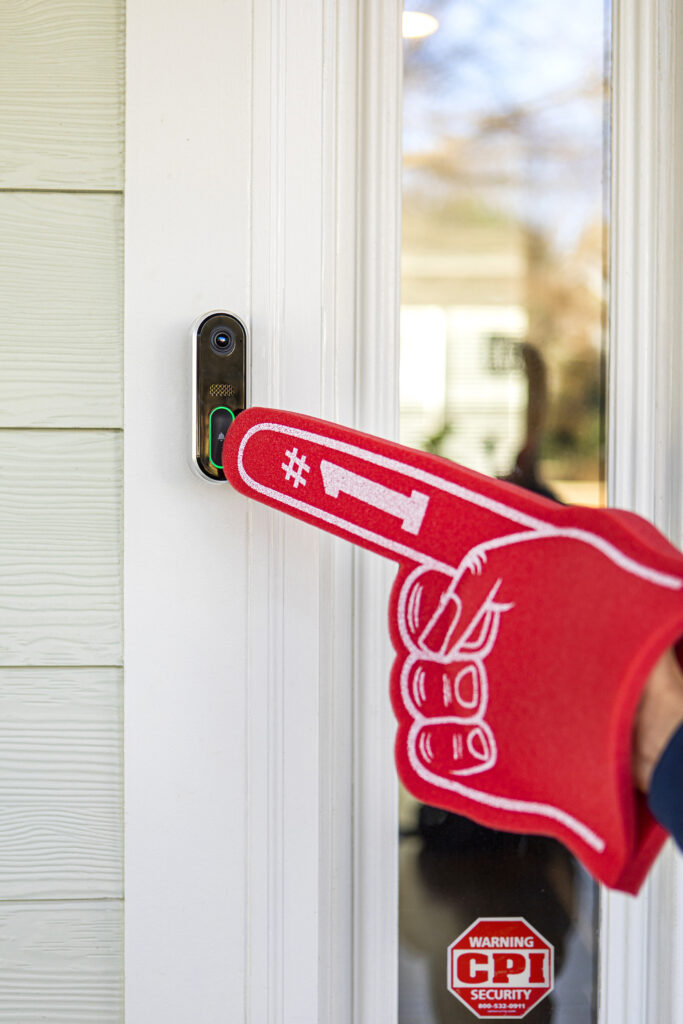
[506, 143]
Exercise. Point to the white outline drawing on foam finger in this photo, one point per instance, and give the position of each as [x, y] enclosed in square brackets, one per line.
[449, 604]
[471, 654]
[420, 739]
[451, 784]
[468, 670]
[412, 679]
[488, 742]
[484, 625]
[412, 686]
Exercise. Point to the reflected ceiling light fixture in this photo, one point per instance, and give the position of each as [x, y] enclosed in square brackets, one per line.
[417, 25]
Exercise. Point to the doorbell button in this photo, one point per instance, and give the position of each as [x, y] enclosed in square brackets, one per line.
[220, 421]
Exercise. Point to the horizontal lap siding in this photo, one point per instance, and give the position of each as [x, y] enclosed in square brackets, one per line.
[60, 962]
[60, 547]
[61, 255]
[60, 310]
[60, 783]
[61, 94]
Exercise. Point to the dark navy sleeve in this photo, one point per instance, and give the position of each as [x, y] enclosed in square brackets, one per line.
[666, 788]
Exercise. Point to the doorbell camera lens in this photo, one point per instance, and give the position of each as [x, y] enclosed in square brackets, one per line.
[222, 341]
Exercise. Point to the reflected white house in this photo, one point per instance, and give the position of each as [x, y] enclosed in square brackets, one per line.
[463, 386]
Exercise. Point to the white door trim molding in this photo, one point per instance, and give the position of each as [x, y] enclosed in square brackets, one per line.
[375, 878]
[642, 939]
[322, 901]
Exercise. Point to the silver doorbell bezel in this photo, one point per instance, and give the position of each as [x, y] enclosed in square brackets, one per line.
[219, 350]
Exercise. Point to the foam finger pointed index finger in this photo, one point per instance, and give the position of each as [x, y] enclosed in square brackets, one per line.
[398, 502]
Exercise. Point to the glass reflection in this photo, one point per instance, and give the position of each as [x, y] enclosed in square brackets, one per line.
[502, 366]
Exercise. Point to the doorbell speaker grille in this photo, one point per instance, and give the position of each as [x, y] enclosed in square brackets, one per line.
[222, 391]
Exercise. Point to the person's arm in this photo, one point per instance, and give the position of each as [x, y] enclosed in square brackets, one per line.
[657, 763]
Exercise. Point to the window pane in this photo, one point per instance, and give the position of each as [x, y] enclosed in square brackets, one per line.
[506, 132]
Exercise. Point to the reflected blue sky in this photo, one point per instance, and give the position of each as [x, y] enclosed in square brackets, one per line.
[506, 100]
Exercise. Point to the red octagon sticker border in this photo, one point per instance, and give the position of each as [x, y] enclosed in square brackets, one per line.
[500, 968]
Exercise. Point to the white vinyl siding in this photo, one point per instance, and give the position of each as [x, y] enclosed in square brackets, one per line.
[60, 586]
[60, 963]
[60, 309]
[61, 255]
[60, 783]
[61, 94]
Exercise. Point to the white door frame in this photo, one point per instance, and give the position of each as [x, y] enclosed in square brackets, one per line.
[642, 939]
[262, 175]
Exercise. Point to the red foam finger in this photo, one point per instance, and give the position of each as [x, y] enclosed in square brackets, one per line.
[378, 494]
[562, 634]
[524, 630]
